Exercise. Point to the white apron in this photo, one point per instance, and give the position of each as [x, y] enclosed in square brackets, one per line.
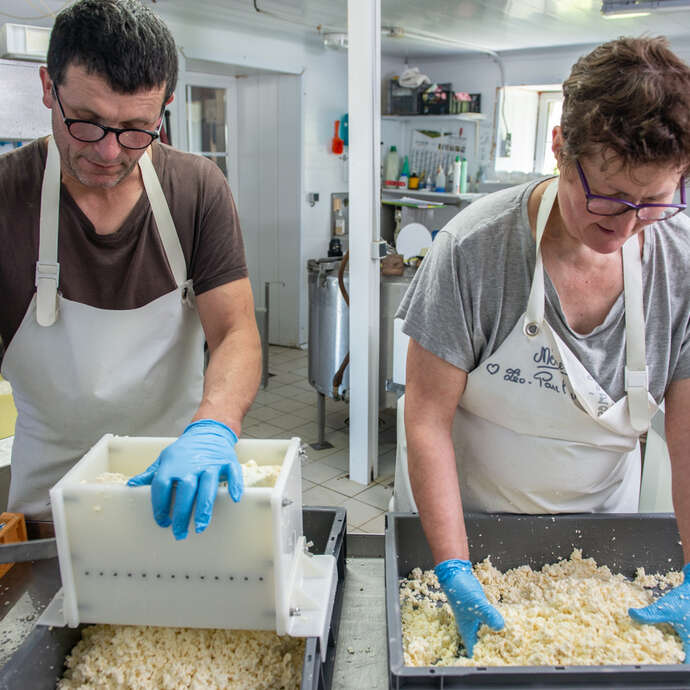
[535, 433]
[84, 371]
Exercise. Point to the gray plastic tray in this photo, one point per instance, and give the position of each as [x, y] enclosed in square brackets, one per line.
[649, 541]
[39, 662]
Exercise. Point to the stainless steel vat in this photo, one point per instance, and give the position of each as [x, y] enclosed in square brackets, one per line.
[329, 327]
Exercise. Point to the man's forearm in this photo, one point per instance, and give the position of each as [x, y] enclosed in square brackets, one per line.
[434, 481]
[232, 379]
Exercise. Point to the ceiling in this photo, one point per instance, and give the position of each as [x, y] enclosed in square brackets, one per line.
[497, 25]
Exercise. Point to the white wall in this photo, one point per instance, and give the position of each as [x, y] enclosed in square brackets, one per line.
[324, 99]
[479, 73]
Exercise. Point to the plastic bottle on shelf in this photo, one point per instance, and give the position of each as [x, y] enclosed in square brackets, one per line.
[449, 178]
[440, 180]
[463, 176]
[457, 168]
[404, 180]
[429, 182]
[391, 168]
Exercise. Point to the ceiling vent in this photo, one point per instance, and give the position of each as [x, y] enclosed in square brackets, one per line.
[22, 42]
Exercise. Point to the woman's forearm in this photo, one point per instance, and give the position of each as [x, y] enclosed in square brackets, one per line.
[434, 481]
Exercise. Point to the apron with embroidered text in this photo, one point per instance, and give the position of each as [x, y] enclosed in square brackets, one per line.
[535, 433]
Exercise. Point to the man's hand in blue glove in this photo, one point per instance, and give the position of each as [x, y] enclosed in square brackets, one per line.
[194, 464]
[672, 608]
[467, 600]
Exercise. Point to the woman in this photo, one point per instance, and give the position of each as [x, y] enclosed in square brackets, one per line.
[550, 320]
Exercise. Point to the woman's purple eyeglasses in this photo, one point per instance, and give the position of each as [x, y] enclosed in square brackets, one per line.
[611, 206]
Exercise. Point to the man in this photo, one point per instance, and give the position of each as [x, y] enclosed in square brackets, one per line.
[120, 256]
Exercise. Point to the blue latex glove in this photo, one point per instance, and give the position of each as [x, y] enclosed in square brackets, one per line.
[672, 608]
[467, 600]
[201, 457]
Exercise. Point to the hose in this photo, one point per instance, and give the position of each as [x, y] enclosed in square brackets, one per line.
[338, 378]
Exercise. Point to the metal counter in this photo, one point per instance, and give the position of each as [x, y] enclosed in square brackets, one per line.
[25, 590]
[361, 652]
[361, 657]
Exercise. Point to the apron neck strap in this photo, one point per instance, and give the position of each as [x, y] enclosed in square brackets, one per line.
[636, 372]
[164, 221]
[535, 306]
[47, 266]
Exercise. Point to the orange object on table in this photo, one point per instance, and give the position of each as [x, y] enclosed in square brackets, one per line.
[12, 529]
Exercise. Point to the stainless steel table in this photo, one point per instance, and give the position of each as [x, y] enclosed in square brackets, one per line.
[361, 653]
[361, 659]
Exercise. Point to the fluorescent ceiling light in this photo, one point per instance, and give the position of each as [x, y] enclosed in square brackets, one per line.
[625, 15]
[637, 8]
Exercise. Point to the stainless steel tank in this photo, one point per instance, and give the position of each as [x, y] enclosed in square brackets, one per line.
[329, 331]
[328, 326]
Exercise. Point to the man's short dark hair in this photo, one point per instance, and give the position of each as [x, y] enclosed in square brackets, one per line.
[119, 40]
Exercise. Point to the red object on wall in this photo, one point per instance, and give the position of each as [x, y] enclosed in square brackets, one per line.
[337, 143]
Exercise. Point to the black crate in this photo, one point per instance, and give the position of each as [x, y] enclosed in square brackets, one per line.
[39, 662]
[649, 541]
[462, 102]
[402, 100]
[435, 99]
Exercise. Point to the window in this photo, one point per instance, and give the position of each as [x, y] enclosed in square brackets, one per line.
[206, 121]
[549, 115]
[527, 116]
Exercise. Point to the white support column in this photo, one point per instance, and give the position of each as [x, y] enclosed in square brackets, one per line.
[364, 107]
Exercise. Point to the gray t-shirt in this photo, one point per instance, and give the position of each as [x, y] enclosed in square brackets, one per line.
[474, 284]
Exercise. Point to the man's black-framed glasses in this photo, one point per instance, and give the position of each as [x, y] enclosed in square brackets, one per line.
[612, 206]
[91, 132]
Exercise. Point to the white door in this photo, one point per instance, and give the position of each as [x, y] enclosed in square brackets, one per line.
[251, 127]
[269, 151]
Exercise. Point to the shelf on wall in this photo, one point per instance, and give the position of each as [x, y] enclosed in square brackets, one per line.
[412, 121]
[472, 117]
[445, 197]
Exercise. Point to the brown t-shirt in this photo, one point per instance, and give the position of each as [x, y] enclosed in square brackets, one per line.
[126, 269]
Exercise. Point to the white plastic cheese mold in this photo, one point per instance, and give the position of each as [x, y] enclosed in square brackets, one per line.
[248, 570]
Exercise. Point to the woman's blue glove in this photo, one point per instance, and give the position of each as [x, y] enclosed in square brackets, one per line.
[467, 600]
[672, 608]
[194, 464]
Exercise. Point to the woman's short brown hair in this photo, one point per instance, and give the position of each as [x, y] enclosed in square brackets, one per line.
[631, 98]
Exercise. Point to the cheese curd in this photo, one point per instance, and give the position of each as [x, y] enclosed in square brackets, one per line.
[569, 613]
[259, 475]
[118, 657]
[253, 474]
[108, 478]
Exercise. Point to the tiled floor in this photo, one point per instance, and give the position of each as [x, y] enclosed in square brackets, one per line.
[287, 407]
